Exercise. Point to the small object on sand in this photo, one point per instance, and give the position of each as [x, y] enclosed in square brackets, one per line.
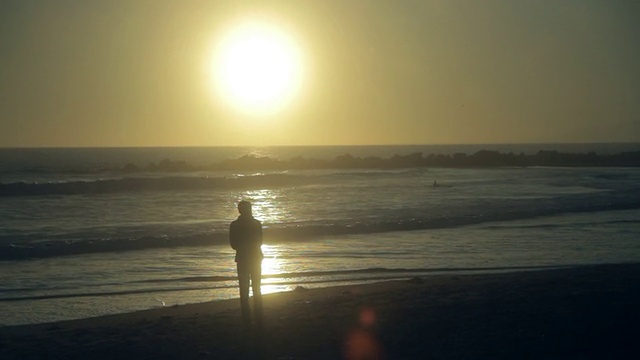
[300, 288]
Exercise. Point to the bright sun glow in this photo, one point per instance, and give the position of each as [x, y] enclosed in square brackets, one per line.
[257, 68]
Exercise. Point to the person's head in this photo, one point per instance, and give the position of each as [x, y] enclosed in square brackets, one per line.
[244, 207]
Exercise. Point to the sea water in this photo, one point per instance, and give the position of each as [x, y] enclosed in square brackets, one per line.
[142, 245]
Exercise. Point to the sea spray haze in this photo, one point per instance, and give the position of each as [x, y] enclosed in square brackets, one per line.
[92, 231]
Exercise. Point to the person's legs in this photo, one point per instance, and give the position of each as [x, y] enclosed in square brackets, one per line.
[243, 282]
[256, 282]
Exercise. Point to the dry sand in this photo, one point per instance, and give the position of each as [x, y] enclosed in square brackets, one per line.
[590, 312]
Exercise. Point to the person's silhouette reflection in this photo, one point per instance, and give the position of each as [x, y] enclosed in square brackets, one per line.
[245, 237]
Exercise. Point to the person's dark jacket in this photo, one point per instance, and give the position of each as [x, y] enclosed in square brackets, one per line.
[245, 237]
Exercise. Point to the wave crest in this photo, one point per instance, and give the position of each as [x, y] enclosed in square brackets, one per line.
[137, 184]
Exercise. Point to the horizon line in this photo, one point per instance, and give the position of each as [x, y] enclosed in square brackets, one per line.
[327, 145]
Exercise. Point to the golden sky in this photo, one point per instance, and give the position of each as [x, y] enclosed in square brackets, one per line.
[138, 72]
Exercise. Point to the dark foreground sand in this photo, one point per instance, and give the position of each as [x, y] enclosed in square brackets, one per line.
[582, 313]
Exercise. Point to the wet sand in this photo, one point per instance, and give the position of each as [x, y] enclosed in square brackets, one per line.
[590, 312]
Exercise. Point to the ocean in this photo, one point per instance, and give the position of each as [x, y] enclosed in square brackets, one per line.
[94, 231]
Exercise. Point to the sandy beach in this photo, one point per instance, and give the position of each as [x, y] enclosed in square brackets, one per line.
[590, 312]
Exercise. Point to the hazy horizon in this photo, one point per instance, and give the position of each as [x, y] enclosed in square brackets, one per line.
[621, 143]
[145, 73]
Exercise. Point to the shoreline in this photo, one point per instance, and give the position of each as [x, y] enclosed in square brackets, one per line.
[582, 312]
[216, 293]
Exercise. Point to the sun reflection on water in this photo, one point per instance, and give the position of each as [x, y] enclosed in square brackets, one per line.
[266, 205]
[272, 264]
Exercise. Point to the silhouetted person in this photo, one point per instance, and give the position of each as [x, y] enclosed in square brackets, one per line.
[245, 237]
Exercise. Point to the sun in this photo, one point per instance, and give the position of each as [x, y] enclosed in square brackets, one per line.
[257, 68]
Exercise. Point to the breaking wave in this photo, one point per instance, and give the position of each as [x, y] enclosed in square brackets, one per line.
[286, 233]
[138, 184]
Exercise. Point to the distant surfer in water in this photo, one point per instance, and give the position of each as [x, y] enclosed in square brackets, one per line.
[245, 237]
[435, 184]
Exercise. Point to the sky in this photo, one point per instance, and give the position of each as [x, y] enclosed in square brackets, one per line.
[90, 73]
